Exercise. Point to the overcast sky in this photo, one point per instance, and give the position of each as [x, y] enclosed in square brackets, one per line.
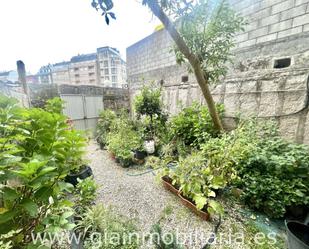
[49, 31]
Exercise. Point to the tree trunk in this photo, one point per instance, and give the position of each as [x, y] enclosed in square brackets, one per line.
[193, 60]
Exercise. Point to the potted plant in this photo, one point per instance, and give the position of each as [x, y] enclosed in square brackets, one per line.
[104, 126]
[148, 104]
[195, 183]
[81, 173]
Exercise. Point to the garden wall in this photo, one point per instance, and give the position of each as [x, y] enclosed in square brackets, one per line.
[113, 98]
[253, 86]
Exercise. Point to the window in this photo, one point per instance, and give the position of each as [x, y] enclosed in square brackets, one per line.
[107, 78]
[105, 63]
[77, 81]
[106, 71]
[92, 81]
[76, 68]
[282, 63]
[91, 74]
[184, 78]
[90, 67]
[114, 70]
[113, 62]
[114, 78]
[76, 75]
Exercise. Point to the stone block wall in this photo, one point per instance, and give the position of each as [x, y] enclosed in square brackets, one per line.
[253, 86]
[270, 20]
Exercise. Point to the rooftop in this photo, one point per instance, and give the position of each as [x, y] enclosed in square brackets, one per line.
[5, 73]
[84, 57]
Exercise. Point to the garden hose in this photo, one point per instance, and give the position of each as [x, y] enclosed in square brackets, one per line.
[145, 172]
[212, 237]
[169, 165]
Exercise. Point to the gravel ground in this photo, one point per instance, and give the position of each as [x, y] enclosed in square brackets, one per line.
[144, 199]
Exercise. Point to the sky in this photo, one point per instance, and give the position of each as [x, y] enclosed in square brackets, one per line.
[50, 31]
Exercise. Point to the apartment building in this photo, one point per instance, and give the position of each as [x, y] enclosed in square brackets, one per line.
[103, 68]
[83, 69]
[45, 74]
[112, 67]
[60, 73]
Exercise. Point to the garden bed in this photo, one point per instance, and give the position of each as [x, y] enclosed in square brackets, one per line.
[167, 183]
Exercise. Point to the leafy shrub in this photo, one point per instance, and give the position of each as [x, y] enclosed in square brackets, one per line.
[276, 176]
[54, 105]
[123, 141]
[198, 181]
[272, 172]
[163, 241]
[98, 219]
[149, 104]
[193, 125]
[85, 194]
[105, 122]
[37, 150]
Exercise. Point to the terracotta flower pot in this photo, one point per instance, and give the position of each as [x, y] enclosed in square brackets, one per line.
[167, 183]
[112, 155]
[203, 214]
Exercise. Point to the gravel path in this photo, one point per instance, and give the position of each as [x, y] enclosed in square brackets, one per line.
[144, 199]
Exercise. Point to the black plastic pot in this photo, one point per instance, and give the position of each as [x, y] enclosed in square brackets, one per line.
[140, 155]
[298, 235]
[85, 172]
[125, 163]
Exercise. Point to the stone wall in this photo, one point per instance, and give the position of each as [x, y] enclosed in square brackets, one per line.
[113, 98]
[253, 87]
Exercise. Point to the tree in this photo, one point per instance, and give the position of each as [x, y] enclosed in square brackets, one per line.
[203, 32]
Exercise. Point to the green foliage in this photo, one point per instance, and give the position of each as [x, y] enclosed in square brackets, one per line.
[276, 176]
[105, 122]
[148, 102]
[123, 140]
[198, 181]
[272, 172]
[54, 105]
[6, 240]
[193, 125]
[99, 219]
[85, 194]
[153, 162]
[37, 150]
[163, 241]
[208, 28]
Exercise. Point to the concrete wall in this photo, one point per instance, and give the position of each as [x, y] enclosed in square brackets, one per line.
[253, 87]
[113, 98]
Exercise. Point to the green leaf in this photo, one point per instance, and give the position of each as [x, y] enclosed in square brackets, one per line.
[30, 206]
[7, 216]
[43, 193]
[215, 207]
[67, 214]
[9, 194]
[47, 170]
[211, 194]
[200, 201]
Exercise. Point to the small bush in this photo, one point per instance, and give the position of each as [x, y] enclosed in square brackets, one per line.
[85, 194]
[106, 119]
[38, 149]
[123, 141]
[99, 219]
[273, 173]
[193, 125]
